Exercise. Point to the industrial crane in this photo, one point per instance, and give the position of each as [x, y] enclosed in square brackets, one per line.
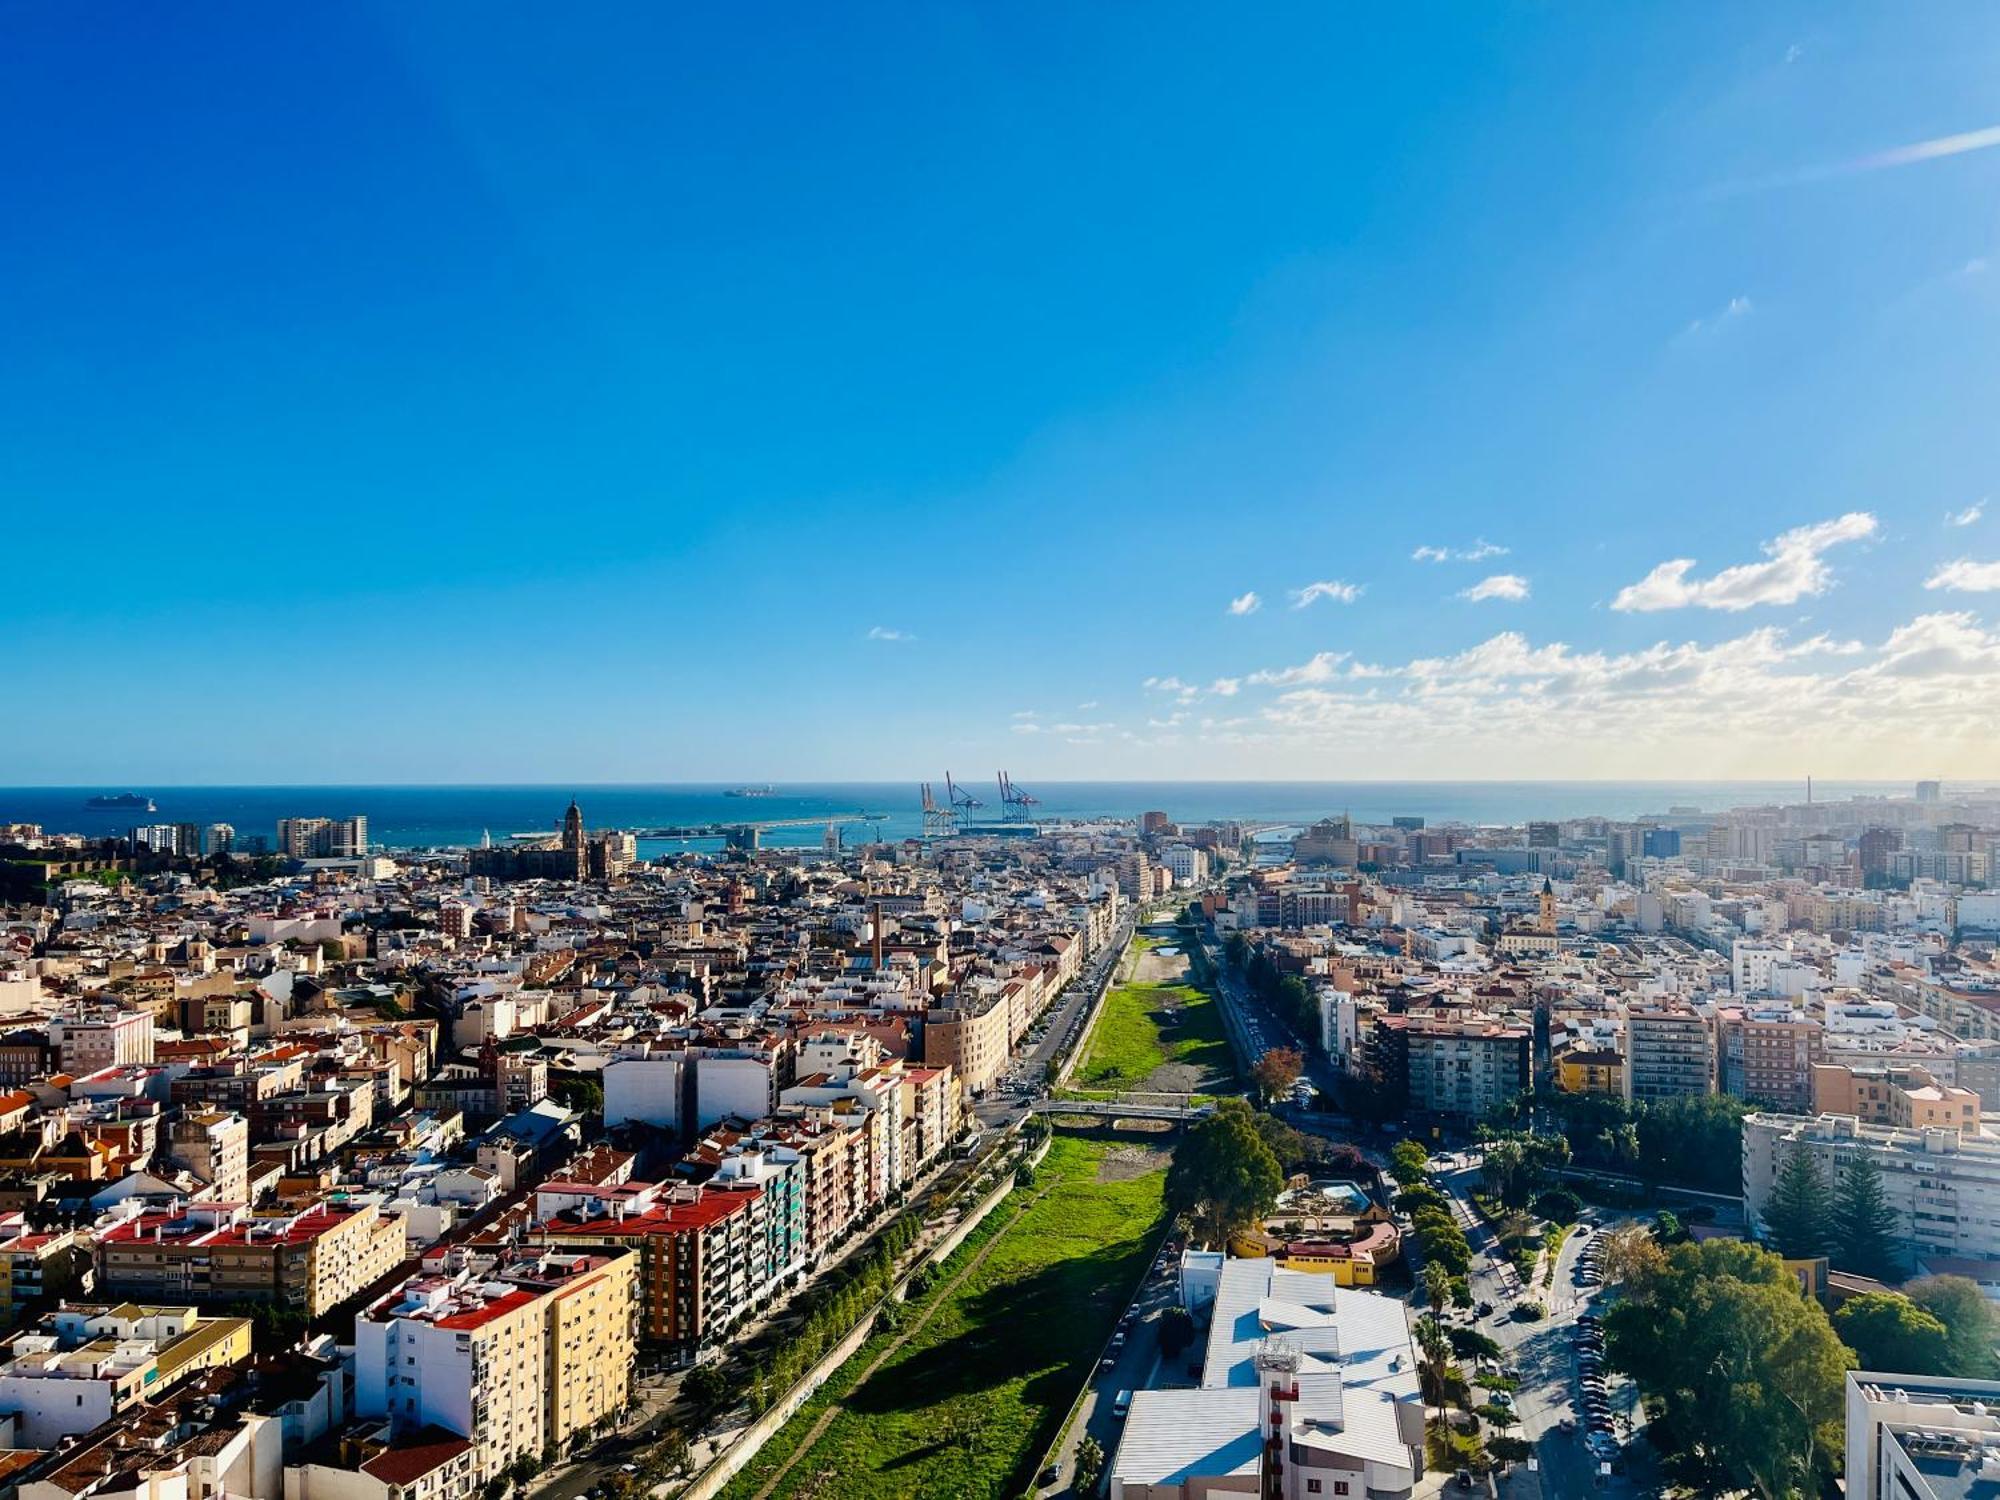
[961, 802]
[1019, 804]
[938, 821]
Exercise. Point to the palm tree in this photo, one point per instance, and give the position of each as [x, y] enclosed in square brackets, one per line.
[1436, 1356]
[1437, 1288]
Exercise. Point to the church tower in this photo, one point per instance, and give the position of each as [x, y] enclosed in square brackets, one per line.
[572, 835]
[1547, 921]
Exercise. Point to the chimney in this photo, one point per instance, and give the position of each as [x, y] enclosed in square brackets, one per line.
[875, 934]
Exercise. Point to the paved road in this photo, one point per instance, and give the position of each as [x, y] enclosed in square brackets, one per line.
[1544, 1356]
[1136, 1366]
[1017, 1087]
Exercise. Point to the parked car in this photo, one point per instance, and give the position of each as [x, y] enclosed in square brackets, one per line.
[1122, 1405]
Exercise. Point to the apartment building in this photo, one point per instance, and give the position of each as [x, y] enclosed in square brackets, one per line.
[518, 1354]
[1768, 1054]
[1943, 1183]
[1466, 1068]
[1590, 1070]
[91, 1038]
[81, 1366]
[1669, 1053]
[1906, 1095]
[701, 1249]
[219, 1252]
[1921, 1437]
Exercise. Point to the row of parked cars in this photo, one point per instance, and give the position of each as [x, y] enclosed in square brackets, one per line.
[1593, 1395]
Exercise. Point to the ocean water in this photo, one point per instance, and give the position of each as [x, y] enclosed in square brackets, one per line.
[408, 817]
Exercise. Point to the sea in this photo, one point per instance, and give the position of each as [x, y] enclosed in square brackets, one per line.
[442, 817]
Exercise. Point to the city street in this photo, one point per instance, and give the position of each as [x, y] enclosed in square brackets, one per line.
[1022, 1081]
[1543, 1355]
[1137, 1366]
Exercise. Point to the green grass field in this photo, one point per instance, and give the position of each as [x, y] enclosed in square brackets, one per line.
[1133, 1036]
[968, 1406]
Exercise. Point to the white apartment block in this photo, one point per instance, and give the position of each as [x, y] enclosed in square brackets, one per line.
[1921, 1437]
[1943, 1183]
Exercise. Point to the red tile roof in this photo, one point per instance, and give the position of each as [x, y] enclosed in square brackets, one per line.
[414, 1455]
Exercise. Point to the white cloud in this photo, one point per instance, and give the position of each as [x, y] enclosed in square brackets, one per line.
[1026, 713]
[1327, 588]
[1027, 726]
[1184, 692]
[1226, 687]
[1510, 586]
[1084, 708]
[1966, 577]
[1080, 728]
[884, 633]
[1246, 604]
[1322, 668]
[1968, 516]
[1793, 569]
[1479, 551]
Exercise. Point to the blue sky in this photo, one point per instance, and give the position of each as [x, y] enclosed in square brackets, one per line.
[437, 394]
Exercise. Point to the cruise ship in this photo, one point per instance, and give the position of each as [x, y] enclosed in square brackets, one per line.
[123, 799]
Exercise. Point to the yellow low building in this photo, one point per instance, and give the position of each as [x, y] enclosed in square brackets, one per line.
[1583, 1071]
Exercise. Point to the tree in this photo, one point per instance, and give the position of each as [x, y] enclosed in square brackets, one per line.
[1434, 1357]
[1630, 1253]
[706, 1386]
[1864, 1223]
[1437, 1286]
[1176, 1330]
[1286, 1144]
[1742, 1366]
[1223, 1176]
[1276, 1071]
[1968, 1319]
[1409, 1163]
[583, 1095]
[1798, 1215]
[1668, 1229]
[1089, 1465]
[1890, 1333]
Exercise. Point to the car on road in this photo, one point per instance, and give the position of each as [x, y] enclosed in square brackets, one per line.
[1122, 1405]
[1050, 1475]
[1109, 1362]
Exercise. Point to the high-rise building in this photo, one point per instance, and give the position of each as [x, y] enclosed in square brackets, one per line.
[517, 1357]
[1669, 1052]
[323, 838]
[1544, 835]
[1930, 791]
[218, 838]
[1876, 845]
[1661, 843]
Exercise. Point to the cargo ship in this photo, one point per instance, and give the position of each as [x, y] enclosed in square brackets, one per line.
[123, 799]
[751, 791]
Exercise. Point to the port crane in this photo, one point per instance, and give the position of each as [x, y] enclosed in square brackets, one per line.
[1016, 802]
[938, 821]
[961, 803]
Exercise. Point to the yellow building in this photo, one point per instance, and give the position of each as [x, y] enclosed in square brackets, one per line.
[1581, 1071]
[593, 1309]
